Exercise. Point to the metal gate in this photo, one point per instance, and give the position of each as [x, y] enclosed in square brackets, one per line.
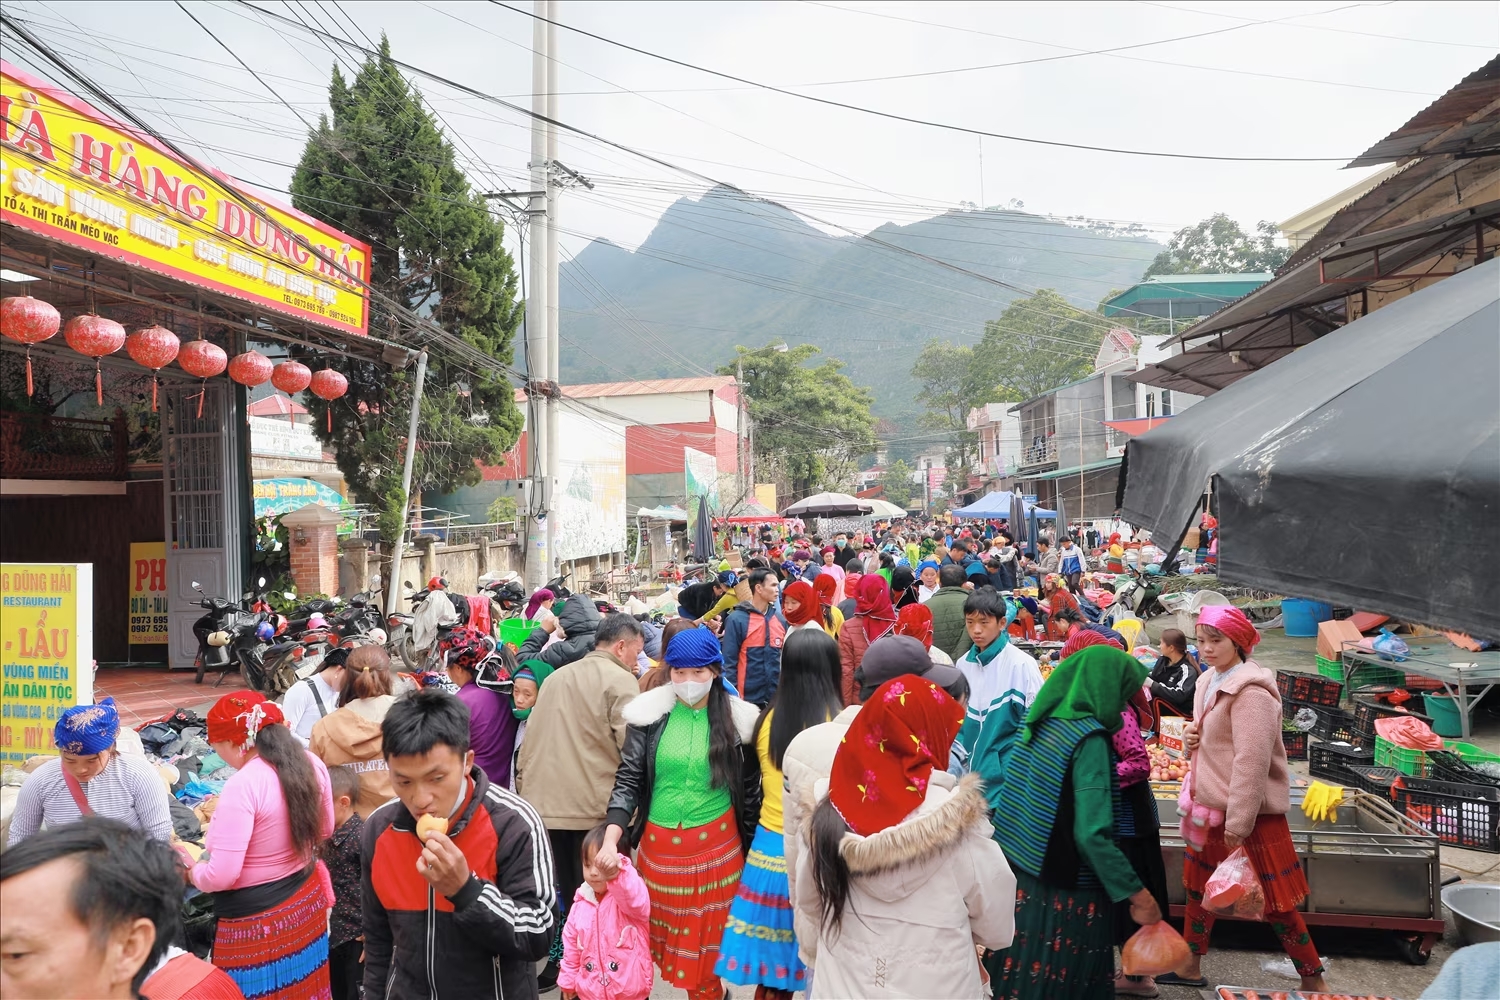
[203, 474]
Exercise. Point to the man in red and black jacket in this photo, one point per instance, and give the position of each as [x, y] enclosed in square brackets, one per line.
[466, 911]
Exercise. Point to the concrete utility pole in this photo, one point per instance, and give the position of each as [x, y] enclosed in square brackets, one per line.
[541, 336]
[393, 579]
[554, 437]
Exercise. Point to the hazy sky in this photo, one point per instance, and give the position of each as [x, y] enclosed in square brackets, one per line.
[1275, 80]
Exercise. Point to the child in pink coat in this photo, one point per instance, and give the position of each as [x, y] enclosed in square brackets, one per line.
[606, 945]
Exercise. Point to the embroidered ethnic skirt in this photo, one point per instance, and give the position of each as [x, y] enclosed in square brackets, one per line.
[1064, 945]
[1271, 852]
[759, 944]
[691, 875]
[281, 953]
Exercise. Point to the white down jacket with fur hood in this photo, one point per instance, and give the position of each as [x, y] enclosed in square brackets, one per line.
[922, 894]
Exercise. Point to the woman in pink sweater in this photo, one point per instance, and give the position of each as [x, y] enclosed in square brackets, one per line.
[272, 895]
[1239, 768]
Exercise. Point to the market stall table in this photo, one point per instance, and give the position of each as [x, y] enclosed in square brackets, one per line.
[1456, 669]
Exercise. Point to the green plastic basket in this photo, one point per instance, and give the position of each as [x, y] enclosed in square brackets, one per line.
[1470, 754]
[516, 630]
[1364, 675]
[1332, 669]
[1412, 762]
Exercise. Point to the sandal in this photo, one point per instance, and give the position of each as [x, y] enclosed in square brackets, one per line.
[1173, 979]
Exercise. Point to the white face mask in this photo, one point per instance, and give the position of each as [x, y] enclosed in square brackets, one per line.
[692, 692]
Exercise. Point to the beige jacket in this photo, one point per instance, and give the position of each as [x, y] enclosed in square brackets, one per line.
[807, 761]
[566, 767]
[914, 888]
[351, 735]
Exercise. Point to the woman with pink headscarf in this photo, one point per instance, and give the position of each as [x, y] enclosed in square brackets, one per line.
[1239, 772]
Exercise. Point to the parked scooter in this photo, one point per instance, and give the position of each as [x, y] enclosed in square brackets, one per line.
[231, 636]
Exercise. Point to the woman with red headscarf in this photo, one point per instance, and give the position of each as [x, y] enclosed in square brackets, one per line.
[898, 876]
[915, 620]
[271, 894]
[800, 607]
[827, 589]
[873, 617]
[1239, 771]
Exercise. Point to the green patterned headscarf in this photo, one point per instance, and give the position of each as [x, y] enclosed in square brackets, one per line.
[1096, 682]
[535, 670]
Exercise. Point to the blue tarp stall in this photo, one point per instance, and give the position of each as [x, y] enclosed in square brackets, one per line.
[995, 505]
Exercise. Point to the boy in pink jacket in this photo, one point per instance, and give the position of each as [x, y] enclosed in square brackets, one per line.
[606, 945]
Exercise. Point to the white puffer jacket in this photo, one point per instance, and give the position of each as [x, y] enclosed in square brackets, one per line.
[923, 893]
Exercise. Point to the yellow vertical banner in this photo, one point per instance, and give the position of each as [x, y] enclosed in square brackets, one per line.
[148, 593]
[46, 650]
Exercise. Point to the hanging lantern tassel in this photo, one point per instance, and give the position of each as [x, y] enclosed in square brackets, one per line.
[204, 359]
[29, 388]
[95, 336]
[98, 382]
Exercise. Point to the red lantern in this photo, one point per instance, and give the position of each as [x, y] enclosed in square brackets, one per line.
[250, 369]
[94, 336]
[28, 321]
[291, 377]
[153, 348]
[329, 385]
[204, 359]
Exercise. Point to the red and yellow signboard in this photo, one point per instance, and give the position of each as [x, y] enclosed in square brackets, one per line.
[73, 174]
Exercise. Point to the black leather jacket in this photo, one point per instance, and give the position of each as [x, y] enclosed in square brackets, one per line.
[630, 802]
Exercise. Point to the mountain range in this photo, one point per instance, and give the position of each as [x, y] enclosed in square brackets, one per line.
[727, 269]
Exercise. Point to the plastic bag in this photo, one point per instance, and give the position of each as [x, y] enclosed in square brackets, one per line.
[1153, 950]
[1233, 890]
[1390, 646]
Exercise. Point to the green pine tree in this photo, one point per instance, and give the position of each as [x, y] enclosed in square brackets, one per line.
[382, 171]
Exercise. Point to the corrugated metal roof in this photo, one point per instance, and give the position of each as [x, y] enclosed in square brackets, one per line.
[649, 387]
[1465, 121]
[1076, 470]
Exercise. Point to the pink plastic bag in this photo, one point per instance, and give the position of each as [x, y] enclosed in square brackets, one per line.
[1233, 890]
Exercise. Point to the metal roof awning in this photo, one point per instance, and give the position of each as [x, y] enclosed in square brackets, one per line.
[1076, 470]
[1461, 122]
[1308, 301]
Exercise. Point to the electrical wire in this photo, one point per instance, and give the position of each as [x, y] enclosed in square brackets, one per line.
[919, 121]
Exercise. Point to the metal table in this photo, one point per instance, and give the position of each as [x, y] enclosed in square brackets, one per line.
[1458, 670]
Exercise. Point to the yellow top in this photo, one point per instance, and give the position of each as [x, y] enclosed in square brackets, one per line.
[726, 603]
[770, 779]
[838, 620]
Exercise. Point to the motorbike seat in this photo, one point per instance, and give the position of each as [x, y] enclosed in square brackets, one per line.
[280, 647]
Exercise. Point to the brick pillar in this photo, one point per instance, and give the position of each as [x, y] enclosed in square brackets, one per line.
[313, 531]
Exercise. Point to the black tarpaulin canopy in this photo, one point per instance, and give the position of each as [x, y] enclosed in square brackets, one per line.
[1363, 469]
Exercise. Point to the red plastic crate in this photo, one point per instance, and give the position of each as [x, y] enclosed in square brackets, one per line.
[1295, 743]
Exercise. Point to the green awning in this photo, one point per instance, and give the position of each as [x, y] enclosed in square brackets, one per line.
[1064, 473]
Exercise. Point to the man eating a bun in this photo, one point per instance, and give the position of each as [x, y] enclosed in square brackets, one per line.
[457, 886]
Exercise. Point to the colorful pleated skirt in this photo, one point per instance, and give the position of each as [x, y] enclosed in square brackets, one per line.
[1064, 945]
[282, 952]
[691, 875]
[759, 944]
[1271, 852]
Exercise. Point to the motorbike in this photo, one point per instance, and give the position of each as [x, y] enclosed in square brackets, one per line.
[230, 635]
[303, 649]
[1137, 598]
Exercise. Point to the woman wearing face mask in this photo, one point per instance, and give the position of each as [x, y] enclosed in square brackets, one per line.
[688, 794]
[525, 685]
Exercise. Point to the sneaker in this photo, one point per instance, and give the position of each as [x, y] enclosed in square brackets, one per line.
[1135, 986]
[546, 980]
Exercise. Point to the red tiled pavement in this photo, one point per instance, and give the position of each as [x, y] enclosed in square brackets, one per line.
[147, 693]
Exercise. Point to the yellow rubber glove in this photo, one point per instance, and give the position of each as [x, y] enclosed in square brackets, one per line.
[1331, 802]
[1320, 801]
[1310, 800]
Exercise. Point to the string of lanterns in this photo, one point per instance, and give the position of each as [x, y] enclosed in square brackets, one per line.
[30, 321]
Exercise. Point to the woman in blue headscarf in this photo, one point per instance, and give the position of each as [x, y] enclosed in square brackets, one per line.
[89, 777]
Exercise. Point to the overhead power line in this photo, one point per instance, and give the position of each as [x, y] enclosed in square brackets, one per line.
[920, 121]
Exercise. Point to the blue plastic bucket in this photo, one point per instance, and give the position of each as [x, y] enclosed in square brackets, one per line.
[1446, 718]
[1300, 618]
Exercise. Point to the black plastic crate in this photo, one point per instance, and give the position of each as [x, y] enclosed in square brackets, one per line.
[1309, 687]
[1445, 765]
[1295, 741]
[1367, 710]
[1333, 725]
[1328, 760]
[1466, 816]
[1375, 780]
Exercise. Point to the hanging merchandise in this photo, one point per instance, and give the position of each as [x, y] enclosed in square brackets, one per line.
[94, 336]
[153, 348]
[291, 377]
[28, 321]
[250, 369]
[329, 385]
[204, 359]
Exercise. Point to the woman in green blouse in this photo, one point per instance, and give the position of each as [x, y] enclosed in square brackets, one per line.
[1055, 818]
[687, 793]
